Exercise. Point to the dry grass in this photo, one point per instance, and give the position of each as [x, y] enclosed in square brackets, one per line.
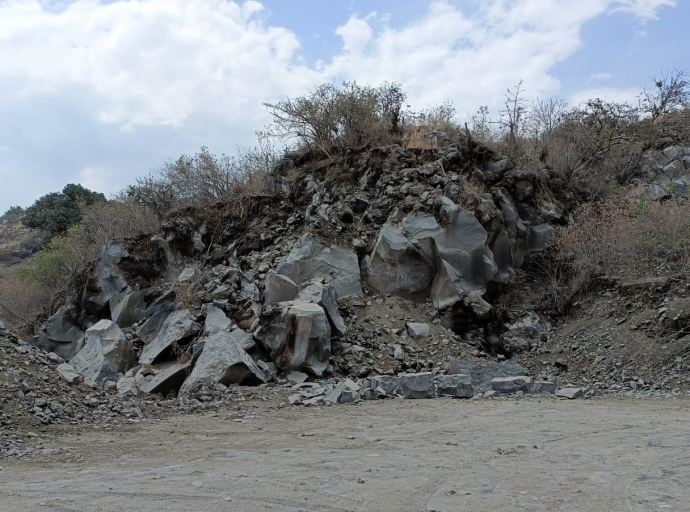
[21, 302]
[187, 292]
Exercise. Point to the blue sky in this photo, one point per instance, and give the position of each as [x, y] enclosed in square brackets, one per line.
[100, 92]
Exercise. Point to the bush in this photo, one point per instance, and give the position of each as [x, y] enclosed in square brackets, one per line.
[330, 118]
[204, 178]
[116, 219]
[56, 212]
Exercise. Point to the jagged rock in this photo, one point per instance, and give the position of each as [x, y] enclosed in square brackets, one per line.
[398, 352]
[186, 275]
[295, 377]
[325, 296]
[417, 385]
[106, 353]
[59, 335]
[494, 170]
[126, 386]
[397, 266]
[457, 386]
[348, 396]
[510, 385]
[69, 373]
[216, 320]
[482, 375]
[417, 330]
[176, 328]
[298, 336]
[475, 303]
[223, 361]
[279, 288]
[108, 280]
[127, 308]
[309, 259]
[168, 379]
[570, 393]
[387, 384]
[543, 386]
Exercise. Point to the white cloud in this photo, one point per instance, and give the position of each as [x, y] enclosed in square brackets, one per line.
[619, 95]
[200, 67]
[95, 179]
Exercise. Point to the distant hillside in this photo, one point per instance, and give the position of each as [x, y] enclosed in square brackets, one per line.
[17, 242]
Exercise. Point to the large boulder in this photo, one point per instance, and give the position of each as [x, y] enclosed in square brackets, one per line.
[169, 378]
[59, 335]
[106, 281]
[279, 288]
[298, 337]
[325, 296]
[481, 376]
[127, 307]
[223, 361]
[106, 353]
[216, 320]
[178, 327]
[456, 386]
[309, 259]
[417, 385]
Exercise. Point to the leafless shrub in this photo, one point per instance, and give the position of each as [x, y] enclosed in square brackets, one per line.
[116, 219]
[671, 93]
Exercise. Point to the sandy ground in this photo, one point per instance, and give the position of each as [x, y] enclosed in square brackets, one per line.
[437, 454]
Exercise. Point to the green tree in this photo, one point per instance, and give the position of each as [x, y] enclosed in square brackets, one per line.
[56, 212]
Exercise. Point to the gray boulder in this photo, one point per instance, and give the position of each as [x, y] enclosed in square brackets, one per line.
[482, 375]
[417, 385]
[107, 279]
[298, 337]
[216, 320]
[178, 326]
[69, 373]
[127, 307]
[105, 354]
[543, 386]
[59, 335]
[457, 386]
[570, 393]
[168, 379]
[279, 288]
[223, 361]
[417, 330]
[382, 385]
[325, 296]
[309, 259]
[510, 385]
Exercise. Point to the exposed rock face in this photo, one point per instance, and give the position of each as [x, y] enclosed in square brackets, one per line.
[59, 335]
[279, 288]
[223, 361]
[178, 326]
[106, 353]
[456, 386]
[325, 296]
[298, 337]
[216, 320]
[336, 266]
[168, 379]
[127, 308]
[108, 280]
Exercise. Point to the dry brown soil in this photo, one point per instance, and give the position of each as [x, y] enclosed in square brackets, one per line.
[529, 454]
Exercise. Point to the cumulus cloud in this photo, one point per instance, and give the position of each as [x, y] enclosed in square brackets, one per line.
[116, 72]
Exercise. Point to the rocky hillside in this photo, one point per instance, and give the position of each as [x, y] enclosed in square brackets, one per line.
[387, 271]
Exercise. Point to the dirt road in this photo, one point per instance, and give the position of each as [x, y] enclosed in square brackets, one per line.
[393, 455]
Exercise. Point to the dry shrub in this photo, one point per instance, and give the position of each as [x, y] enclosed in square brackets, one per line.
[187, 292]
[619, 238]
[117, 219]
[418, 137]
[21, 301]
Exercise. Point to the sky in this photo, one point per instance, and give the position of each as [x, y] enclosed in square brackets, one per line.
[99, 92]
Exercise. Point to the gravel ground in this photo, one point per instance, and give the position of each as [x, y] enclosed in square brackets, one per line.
[442, 454]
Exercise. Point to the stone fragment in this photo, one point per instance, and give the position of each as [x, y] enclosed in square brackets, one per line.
[457, 386]
[417, 385]
[510, 385]
[570, 393]
[543, 386]
[309, 259]
[325, 296]
[279, 288]
[69, 373]
[167, 379]
[59, 335]
[186, 275]
[127, 307]
[216, 320]
[106, 353]
[417, 330]
[179, 326]
[223, 361]
[398, 352]
[298, 337]
[482, 375]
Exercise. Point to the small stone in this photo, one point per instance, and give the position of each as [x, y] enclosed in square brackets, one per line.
[570, 393]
